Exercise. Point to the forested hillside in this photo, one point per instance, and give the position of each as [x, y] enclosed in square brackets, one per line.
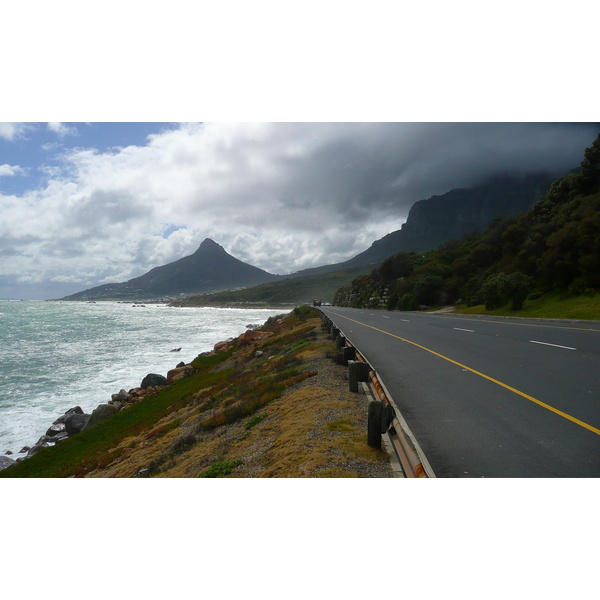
[555, 247]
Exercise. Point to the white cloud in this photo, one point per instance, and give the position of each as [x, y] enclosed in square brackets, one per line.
[13, 131]
[62, 130]
[11, 170]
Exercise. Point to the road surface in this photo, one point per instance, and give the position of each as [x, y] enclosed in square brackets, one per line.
[489, 397]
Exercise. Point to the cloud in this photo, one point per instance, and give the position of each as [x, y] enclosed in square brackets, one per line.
[14, 131]
[281, 196]
[62, 130]
[11, 170]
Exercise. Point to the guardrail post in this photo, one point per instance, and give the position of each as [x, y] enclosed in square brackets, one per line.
[357, 371]
[340, 341]
[374, 424]
[349, 353]
[334, 332]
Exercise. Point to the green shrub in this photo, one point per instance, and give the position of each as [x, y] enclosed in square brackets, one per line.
[221, 468]
[255, 421]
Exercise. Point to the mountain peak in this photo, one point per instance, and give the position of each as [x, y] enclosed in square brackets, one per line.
[211, 246]
[208, 243]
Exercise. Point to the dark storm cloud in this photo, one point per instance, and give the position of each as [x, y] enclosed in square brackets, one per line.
[387, 167]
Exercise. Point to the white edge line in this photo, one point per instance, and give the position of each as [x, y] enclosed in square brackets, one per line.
[555, 345]
[460, 329]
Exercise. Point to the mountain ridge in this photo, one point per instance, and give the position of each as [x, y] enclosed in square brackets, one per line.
[430, 223]
[209, 269]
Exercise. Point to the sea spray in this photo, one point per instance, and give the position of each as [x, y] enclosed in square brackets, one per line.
[57, 355]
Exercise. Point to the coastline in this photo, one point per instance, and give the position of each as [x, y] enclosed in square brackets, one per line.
[258, 374]
[57, 355]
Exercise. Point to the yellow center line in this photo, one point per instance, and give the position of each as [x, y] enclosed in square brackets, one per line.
[504, 385]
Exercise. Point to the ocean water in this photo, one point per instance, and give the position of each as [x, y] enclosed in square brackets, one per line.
[57, 355]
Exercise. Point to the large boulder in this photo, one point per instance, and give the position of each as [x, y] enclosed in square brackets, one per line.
[76, 410]
[76, 423]
[101, 412]
[122, 396]
[180, 372]
[6, 462]
[37, 447]
[154, 380]
[55, 429]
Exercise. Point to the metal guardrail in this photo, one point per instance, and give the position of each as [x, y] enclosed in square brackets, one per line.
[407, 449]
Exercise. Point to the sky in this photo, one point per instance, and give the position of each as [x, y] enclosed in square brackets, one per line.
[82, 204]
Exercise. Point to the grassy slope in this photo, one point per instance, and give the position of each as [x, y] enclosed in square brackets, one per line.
[586, 307]
[239, 415]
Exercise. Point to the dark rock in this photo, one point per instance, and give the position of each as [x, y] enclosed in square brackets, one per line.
[6, 462]
[179, 365]
[37, 447]
[55, 429]
[154, 380]
[76, 423]
[76, 410]
[122, 396]
[176, 350]
[25, 449]
[59, 437]
[101, 412]
[43, 439]
[8, 452]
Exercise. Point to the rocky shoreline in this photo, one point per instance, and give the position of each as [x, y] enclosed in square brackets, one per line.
[75, 420]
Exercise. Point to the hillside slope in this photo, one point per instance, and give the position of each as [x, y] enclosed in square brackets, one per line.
[209, 269]
[552, 248]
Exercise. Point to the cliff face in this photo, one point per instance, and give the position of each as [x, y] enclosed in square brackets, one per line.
[460, 212]
[457, 213]
[439, 219]
[209, 269]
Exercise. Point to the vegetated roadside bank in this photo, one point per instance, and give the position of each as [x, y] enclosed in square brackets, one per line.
[271, 403]
[585, 307]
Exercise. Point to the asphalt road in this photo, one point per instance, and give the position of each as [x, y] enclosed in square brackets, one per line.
[489, 397]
